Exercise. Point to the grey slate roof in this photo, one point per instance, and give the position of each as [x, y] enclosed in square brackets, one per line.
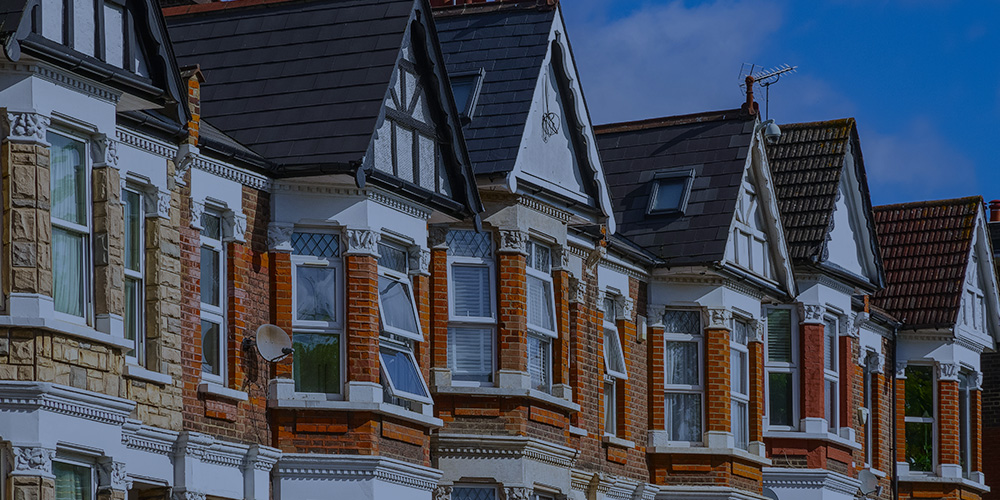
[300, 84]
[10, 16]
[509, 43]
[715, 145]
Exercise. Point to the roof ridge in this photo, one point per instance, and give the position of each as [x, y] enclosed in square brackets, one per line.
[494, 6]
[669, 121]
[218, 6]
[931, 203]
[846, 120]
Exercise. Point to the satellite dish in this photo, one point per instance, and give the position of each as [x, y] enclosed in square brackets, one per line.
[770, 494]
[273, 343]
[869, 483]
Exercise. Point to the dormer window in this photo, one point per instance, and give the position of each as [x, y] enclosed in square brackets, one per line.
[670, 192]
[465, 87]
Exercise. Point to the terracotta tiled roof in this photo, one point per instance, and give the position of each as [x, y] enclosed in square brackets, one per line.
[925, 250]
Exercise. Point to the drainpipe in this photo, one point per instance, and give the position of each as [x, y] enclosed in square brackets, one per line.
[895, 430]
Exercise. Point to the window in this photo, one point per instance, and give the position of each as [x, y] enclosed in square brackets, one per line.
[471, 492]
[541, 315]
[402, 381]
[317, 303]
[867, 403]
[966, 408]
[135, 247]
[472, 322]
[73, 482]
[69, 180]
[782, 375]
[831, 375]
[669, 192]
[919, 418]
[465, 88]
[750, 247]
[739, 370]
[683, 377]
[614, 366]
[213, 303]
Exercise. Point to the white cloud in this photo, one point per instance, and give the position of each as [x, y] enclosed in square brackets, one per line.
[916, 163]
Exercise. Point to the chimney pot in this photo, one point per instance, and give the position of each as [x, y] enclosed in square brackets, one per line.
[995, 211]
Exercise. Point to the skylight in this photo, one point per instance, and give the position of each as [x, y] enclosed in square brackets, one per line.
[669, 192]
[465, 88]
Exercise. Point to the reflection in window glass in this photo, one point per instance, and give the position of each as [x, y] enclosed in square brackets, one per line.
[210, 360]
[317, 363]
[684, 415]
[399, 367]
[316, 294]
[780, 400]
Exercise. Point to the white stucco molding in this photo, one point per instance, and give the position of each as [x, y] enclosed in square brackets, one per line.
[111, 476]
[24, 126]
[234, 226]
[946, 372]
[512, 241]
[437, 236]
[516, 493]
[560, 258]
[362, 241]
[317, 467]
[811, 313]
[32, 460]
[901, 369]
[720, 318]
[578, 291]
[55, 398]
[183, 160]
[197, 210]
[442, 493]
[503, 447]
[147, 439]
[147, 144]
[705, 493]
[810, 479]
[279, 237]
[104, 151]
[420, 260]
[757, 330]
[186, 494]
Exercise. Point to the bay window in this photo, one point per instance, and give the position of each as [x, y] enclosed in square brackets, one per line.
[614, 366]
[541, 308]
[213, 303]
[472, 309]
[73, 481]
[69, 180]
[135, 322]
[831, 374]
[781, 367]
[919, 418]
[683, 336]
[739, 370]
[402, 382]
[317, 304]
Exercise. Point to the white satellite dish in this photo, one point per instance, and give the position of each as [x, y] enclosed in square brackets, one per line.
[869, 483]
[273, 343]
[770, 494]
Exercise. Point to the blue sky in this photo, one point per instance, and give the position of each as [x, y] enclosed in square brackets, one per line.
[921, 77]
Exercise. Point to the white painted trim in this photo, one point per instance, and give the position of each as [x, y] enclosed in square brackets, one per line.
[66, 328]
[46, 396]
[313, 467]
[222, 392]
[448, 445]
[509, 392]
[786, 478]
[139, 373]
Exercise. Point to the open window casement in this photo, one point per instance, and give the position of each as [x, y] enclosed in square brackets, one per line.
[614, 357]
[397, 307]
[541, 298]
[400, 371]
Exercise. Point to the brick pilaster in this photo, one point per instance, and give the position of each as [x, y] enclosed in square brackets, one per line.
[813, 391]
[976, 416]
[756, 347]
[625, 388]
[879, 420]
[717, 375]
[560, 347]
[281, 302]
[850, 372]
[513, 304]
[655, 391]
[422, 296]
[577, 348]
[900, 414]
[948, 422]
[438, 333]
[362, 318]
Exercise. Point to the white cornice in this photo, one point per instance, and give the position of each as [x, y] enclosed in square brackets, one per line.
[810, 479]
[545, 209]
[62, 79]
[159, 148]
[351, 467]
[502, 447]
[137, 436]
[379, 197]
[242, 176]
[33, 396]
[826, 281]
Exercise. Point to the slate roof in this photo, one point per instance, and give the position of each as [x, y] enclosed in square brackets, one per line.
[509, 42]
[925, 250]
[10, 16]
[299, 83]
[715, 145]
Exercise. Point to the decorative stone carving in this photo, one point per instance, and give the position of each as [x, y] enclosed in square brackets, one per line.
[104, 151]
[442, 493]
[811, 313]
[112, 475]
[517, 493]
[279, 237]
[578, 291]
[628, 308]
[947, 371]
[757, 329]
[33, 460]
[24, 127]
[901, 369]
[437, 236]
[157, 203]
[719, 318]
[197, 210]
[236, 226]
[186, 495]
[362, 241]
[847, 326]
[560, 258]
[976, 381]
[420, 260]
[859, 319]
[513, 241]
[186, 155]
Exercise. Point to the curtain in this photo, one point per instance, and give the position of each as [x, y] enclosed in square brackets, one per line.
[470, 353]
[67, 271]
[538, 363]
[210, 362]
[682, 363]
[68, 179]
[738, 369]
[316, 293]
[779, 335]
[540, 303]
[72, 481]
[684, 413]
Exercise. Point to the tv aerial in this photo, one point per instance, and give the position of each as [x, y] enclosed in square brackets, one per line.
[764, 78]
[273, 343]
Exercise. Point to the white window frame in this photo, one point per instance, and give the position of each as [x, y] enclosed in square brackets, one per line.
[740, 399]
[932, 420]
[974, 314]
[698, 389]
[832, 377]
[212, 313]
[546, 337]
[79, 463]
[546, 343]
[457, 321]
[87, 278]
[611, 377]
[867, 403]
[791, 368]
[311, 327]
[138, 355]
[405, 348]
[965, 388]
[403, 279]
[743, 231]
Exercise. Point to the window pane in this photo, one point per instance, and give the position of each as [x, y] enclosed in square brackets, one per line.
[610, 409]
[688, 322]
[780, 398]
[67, 271]
[393, 258]
[316, 244]
[73, 482]
[316, 294]
[211, 226]
[470, 354]
[468, 243]
[68, 179]
[472, 291]
[210, 284]
[613, 352]
[831, 407]
[133, 316]
[316, 363]
[462, 88]
[210, 361]
[920, 445]
[684, 414]
[538, 363]
[610, 310]
[738, 369]
[682, 363]
[779, 335]
[540, 303]
[133, 230]
[400, 369]
[541, 258]
[741, 427]
[397, 306]
[830, 346]
[471, 493]
[741, 332]
[668, 194]
[919, 392]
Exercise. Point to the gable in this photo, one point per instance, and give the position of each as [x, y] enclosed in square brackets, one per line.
[978, 310]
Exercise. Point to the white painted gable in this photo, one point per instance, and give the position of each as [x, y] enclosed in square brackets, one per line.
[115, 30]
[844, 246]
[749, 246]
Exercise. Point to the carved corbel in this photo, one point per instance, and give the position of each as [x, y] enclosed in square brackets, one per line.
[279, 237]
[362, 241]
[420, 260]
[513, 241]
[32, 460]
[718, 318]
[24, 126]
[811, 313]
[947, 372]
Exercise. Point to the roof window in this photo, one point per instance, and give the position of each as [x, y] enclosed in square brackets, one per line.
[465, 87]
[670, 192]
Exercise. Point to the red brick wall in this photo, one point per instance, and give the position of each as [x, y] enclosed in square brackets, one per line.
[948, 423]
[362, 318]
[512, 296]
[811, 363]
[717, 373]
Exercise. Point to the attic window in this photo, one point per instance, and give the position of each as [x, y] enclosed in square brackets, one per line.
[465, 87]
[670, 192]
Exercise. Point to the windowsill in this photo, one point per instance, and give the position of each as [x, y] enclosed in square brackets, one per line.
[704, 450]
[213, 389]
[79, 331]
[577, 431]
[137, 372]
[508, 392]
[930, 478]
[818, 436]
[617, 441]
[340, 405]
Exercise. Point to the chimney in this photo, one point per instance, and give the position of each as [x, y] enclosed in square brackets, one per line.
[995, 211]
[194, 78]
[750, 107]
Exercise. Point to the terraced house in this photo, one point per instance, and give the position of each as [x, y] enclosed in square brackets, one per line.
[485, 296]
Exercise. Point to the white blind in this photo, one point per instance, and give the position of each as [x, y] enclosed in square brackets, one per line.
[471, 353]
[538, 363]
[614, 359]
[830, 347]
[779, 335]
[540, 303]
[472, 291]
